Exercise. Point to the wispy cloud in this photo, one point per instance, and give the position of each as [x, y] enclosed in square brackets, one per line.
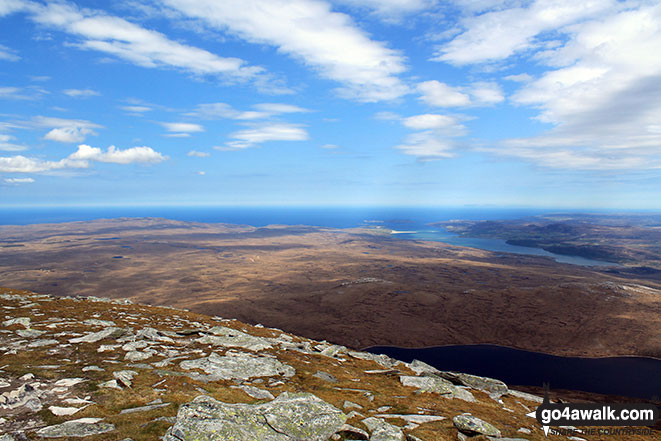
[65, 130]
[181, 128]
[7, 144]
[261, 111]
[7, 54]
[17, 181]
[80, 93]
[479, 93]
[265, 133]
[436, 138]
[128, 41]
[309, 31]
[198, 154]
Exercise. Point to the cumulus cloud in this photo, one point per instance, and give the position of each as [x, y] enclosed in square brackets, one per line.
[80, 93]
[65, 130]
[261, 111]
[81, 158]
[601, 95]
[327, 41]
[19, 180]
[479, 93]
[265, 133]
[434, 121]
[123, 39]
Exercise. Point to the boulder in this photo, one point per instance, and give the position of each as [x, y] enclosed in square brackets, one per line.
[239, 366]
[489, 385]
[93, 337]
[231, 338]
[471, 426]
[76, 428]
[290, 417]
[428, 384]
[383, 431]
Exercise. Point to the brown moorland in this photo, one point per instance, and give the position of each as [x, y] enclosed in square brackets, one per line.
[354, 287]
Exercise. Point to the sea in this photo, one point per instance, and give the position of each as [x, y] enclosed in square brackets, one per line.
[407, 223]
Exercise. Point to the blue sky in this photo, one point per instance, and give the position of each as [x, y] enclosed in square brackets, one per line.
[348, 102]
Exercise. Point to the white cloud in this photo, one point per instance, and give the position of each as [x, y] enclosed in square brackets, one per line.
[433, 121]
[427, 145]
[19, 180]
[198, 154]
[136, 109]
[601, 94]
[201, 173]
[391, 10]
[329, 42]
[7, 145]
[80, 93]
[182, 127]
[224, 110]
[330, 146]
[82, 158]
[264, 133]
[479, 93]
[8, 54]
[519, 78]
[508, 29]
[65, 130]
[440, 94]
[114, 155]
[118, 37]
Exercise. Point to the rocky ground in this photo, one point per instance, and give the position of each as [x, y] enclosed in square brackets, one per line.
[102, 369]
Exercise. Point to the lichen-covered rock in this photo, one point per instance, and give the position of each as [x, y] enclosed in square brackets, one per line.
[486, 384]
[381, 359]
[420, 367]
[428, 384]
[124, 377]
[93, 337]
[239, 366]
[76, 428]
[471, 425]
[383, 431]
[231, 338]
[289, 417]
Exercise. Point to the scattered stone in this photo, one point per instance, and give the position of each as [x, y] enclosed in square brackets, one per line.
[524, 430]
[42, 342]
[383, 431]
[76, 428]
[139, 355]
[381, 359]
[96, 322]
[124, 377]
[113, 384]
[93, 337]
[351, 405]
[30, 333]
[471, 426]
[428, 384]
[525, 396]
[92, 368]
[490, 385]
[289, 417]
[228, 337]
[325, 376]
[63, 411]
[255, 392]
[24, 321]
[68, 382]
[354, 432]
[239, 366]
[420, 367]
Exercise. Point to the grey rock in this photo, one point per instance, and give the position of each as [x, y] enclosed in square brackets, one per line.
[24, 321]
[42, 342]
[124, 377]
[290, 417]
[428, 384]
[239, 366]
[95, 322]
[461, 394]
[471, 426]
[7, 437]
[354, 432]
[153, 335]
[525, 396]
[93, 337]
[139, 355]
[490, 385]
[30, 333]
[420, 367]
[351, 405]
[325, 376]
[76, 428]
[383, 431]
[231, 338]
[255, 392]
[381, 359]
[92, 368]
